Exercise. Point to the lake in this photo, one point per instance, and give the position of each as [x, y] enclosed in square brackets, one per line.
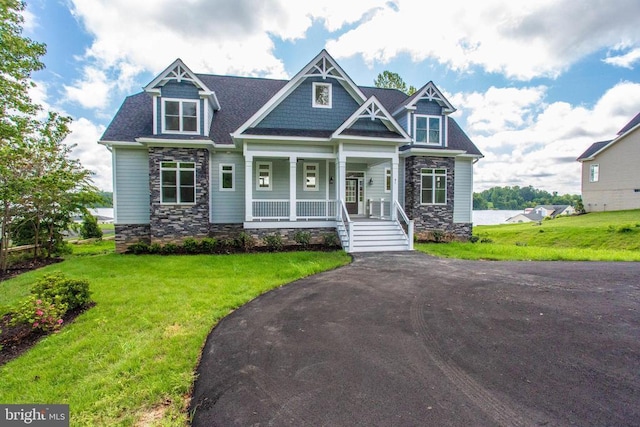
[492, 217]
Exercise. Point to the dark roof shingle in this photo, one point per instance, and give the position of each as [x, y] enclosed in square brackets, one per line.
[594, 148]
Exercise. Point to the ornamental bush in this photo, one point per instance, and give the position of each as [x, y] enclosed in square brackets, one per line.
[90, 228]
[62, 291]
[40, 313]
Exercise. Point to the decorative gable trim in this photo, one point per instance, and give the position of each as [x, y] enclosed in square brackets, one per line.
[428, 92]
[372, 109]
[179, 72]
[323, 66]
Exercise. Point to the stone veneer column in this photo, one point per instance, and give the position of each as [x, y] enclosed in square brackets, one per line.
[174, 223]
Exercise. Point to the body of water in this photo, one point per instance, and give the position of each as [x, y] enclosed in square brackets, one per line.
[491, 217]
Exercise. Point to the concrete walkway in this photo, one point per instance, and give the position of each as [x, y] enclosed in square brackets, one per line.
[403, 339]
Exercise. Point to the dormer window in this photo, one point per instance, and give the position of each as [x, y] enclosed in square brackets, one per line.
[427, 129]
[321, 95]
[180, 116]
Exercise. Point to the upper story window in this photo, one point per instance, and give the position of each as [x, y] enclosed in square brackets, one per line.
[263, 176]
[227, 177]
[180, 116]
[321, 95]
[311, 177]
[177, 182]
[427, 129]
[594, 173]
[433, 189]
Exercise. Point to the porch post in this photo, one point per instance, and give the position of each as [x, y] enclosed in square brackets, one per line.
[292, 188]
[342, 177]
[394, 186]
[248, 188]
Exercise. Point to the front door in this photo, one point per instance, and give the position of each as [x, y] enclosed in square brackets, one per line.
[352, 195]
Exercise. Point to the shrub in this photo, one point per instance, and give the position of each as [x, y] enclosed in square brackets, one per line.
[170, 249]
[273, 242]
[90, 228]
[303, 238]
[59, 289]
[225, 245]
[208, 245]
[438, 236]
[41, 314]
[139, 248]
[330, 240]
[486, 240]
[245, 241]
[191, 246]
[474, 239]
[155, 248]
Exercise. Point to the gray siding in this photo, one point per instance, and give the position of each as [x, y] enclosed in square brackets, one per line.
[463, 191]
[376, 190]
[280, 176]
[368, 124]
[131, 185]
[179, 90]
[321, 194]
[227, 207]
[296, 112]
[431, 108]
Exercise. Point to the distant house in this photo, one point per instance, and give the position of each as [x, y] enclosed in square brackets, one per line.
[197, 155]
[541, 212]
[611, 172]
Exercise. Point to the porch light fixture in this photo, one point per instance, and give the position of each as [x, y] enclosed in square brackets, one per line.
[331, 180]
[370, 181]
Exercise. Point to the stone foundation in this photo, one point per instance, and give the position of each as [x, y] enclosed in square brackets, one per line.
[128, 234]
[288, 234]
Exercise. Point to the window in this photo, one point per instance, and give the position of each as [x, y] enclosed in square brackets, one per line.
[434, 186]
[227, 178]
[263, 176]
[311, 177]
[180, 116]
[387, 180]
[177, 182]
[321, 95]
[427, 129]
[594, 173]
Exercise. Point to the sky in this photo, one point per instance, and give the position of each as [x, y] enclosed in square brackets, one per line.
[534, 82]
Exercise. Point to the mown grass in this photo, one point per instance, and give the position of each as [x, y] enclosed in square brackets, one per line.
[132, 357]
[604, 236]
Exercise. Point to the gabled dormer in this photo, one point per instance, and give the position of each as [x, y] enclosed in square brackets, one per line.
[371, 122]
[424, 115]
[182, 104]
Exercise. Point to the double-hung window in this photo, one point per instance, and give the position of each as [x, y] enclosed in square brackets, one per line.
[594, 173]
[427, 129]
[180, 116]
[263, 176]
[433, 189]
[177, 182]
[227, 177]
[311, 177]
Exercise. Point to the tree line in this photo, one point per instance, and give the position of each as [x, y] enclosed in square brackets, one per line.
[513, 198]
[41, 187]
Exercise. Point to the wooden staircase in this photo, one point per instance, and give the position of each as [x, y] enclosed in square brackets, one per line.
[373, 236]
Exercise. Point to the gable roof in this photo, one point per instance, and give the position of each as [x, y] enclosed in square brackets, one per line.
[373, 110]
[427, 92]
[598, 147]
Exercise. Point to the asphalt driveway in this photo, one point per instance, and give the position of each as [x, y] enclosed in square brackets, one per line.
[397, 339]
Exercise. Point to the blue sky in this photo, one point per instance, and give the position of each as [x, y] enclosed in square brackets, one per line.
[535, 83]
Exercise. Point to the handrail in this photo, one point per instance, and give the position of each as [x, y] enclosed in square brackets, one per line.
[343, 216]
[409, 222]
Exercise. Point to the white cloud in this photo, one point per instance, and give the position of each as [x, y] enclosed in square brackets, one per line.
[520, 40]
[542, 149]
[627, 60]
[93, 91]
[94, 157]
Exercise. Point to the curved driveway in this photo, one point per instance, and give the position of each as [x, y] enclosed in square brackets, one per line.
[402, 339]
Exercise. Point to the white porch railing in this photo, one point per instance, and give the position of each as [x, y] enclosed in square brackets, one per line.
[405, 223]
[305, 209]
[379, 209]
[345, 226]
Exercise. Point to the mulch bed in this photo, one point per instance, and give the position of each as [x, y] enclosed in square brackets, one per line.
[17, 339]
[27, 265]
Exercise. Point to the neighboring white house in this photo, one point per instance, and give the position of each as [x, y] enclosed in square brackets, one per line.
[611, 171]
[541, 212]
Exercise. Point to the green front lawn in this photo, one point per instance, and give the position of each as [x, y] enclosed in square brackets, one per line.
[132, 357]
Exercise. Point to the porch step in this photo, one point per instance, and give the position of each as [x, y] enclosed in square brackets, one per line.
[374, 236]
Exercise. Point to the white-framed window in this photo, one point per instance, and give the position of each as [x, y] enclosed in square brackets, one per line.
[311, 177]
[322, 94]
[594, 173]
[263, 176]
[427, 129]
[227, 177]
[181, 115]
[433, 190]
[177, 182]
[387, 180]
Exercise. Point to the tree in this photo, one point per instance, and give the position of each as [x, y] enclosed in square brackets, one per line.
[390, 80]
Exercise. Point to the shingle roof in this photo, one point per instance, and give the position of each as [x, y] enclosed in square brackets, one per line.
[240, 98]
[633, 123]
[594, 148]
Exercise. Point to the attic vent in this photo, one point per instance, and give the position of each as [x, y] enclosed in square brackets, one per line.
[179, 74]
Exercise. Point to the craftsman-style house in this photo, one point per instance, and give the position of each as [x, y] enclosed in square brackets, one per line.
[197, 155]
